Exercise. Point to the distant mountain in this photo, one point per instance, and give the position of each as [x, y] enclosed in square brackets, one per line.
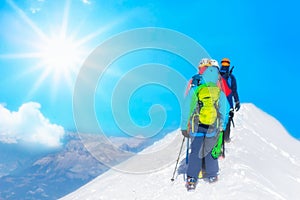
[56, 174]
[13, 158]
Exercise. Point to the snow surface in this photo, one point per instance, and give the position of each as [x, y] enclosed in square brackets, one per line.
[262, 162]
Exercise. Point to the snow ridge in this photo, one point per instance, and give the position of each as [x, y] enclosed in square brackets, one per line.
[262, 162]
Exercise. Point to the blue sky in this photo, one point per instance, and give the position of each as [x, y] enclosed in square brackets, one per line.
[260, 37]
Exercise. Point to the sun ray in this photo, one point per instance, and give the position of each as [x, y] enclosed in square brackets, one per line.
[65, 18]
[98, 32]
[38, 83]
[26, 19]
[20, 55]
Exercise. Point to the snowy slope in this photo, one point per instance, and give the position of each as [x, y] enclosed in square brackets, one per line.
[262, 162]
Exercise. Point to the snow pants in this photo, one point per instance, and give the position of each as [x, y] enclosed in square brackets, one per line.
[196, 158]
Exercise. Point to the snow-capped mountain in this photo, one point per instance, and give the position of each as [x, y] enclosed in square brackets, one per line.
[262, 162]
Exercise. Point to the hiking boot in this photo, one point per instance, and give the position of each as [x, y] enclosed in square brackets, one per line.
[191, 183]
[212, 179]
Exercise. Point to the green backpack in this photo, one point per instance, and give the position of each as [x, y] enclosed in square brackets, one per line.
[208, 98]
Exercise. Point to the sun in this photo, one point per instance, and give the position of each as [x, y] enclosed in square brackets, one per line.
[59, 54]
[60, 57]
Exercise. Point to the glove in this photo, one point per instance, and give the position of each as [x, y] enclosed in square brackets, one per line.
[237, 106]
[231, 113]
[185, 133]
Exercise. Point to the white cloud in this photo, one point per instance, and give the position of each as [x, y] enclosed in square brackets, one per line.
[28, 125]
[36, 6]
[86, 1]
[35, 10]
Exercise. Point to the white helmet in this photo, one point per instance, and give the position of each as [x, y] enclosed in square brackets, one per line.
[214, 62]
[204, 62]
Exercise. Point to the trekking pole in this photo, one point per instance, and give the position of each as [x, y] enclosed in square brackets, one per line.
[231, 70]
[232, 122]
[172, 179]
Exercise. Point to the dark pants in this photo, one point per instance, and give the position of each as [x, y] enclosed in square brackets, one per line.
[227, 130]
[195, 160]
